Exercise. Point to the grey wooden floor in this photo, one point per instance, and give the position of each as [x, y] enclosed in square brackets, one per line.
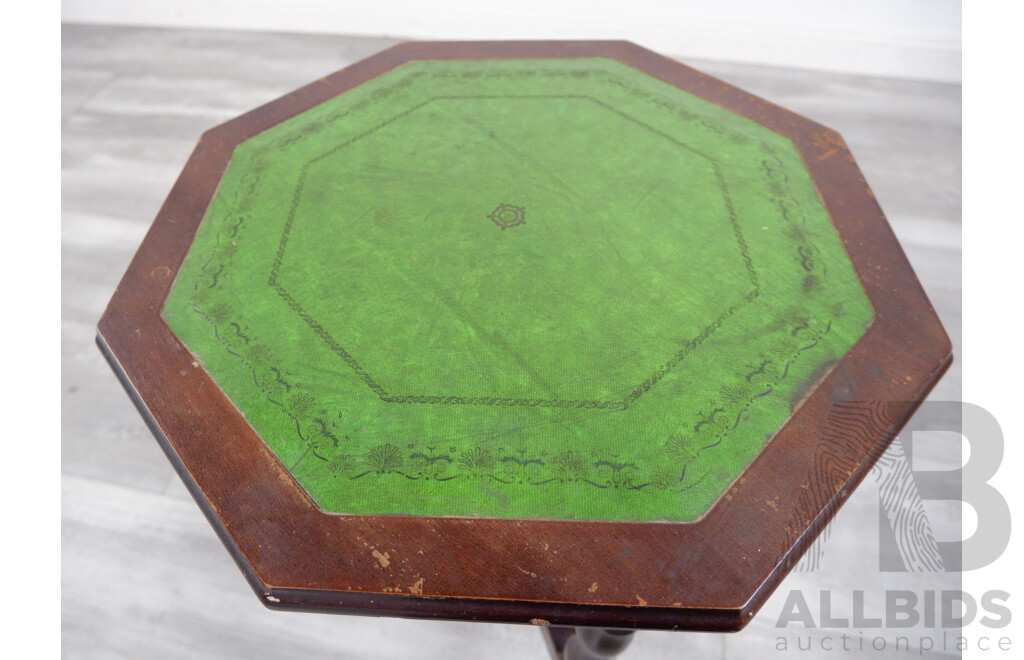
[143, 575]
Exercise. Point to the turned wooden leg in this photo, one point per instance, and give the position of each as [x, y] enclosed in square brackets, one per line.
[586, 643]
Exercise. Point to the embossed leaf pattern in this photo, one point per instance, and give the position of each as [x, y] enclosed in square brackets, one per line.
[301, 405]
[477, 461]
[384, 458]
[569, 465]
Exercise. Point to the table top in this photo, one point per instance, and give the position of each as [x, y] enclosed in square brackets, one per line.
[539, 332]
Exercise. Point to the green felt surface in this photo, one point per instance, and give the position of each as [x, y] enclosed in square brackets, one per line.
[517, 288]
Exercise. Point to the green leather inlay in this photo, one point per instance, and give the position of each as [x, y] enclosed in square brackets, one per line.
[552, 288]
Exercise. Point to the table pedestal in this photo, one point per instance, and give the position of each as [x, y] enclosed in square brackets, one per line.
[586, 643]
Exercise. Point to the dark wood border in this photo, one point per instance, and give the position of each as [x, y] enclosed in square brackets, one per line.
[708, 575]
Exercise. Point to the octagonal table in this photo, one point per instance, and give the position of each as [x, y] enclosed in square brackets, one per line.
[555, 333]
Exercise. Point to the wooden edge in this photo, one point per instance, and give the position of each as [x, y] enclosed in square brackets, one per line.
[424, 607]
[190, 484]
[804, 542]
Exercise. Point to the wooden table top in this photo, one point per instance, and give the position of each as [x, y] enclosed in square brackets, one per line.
[539, 332]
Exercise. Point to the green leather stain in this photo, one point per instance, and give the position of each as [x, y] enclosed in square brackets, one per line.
[553, 288]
